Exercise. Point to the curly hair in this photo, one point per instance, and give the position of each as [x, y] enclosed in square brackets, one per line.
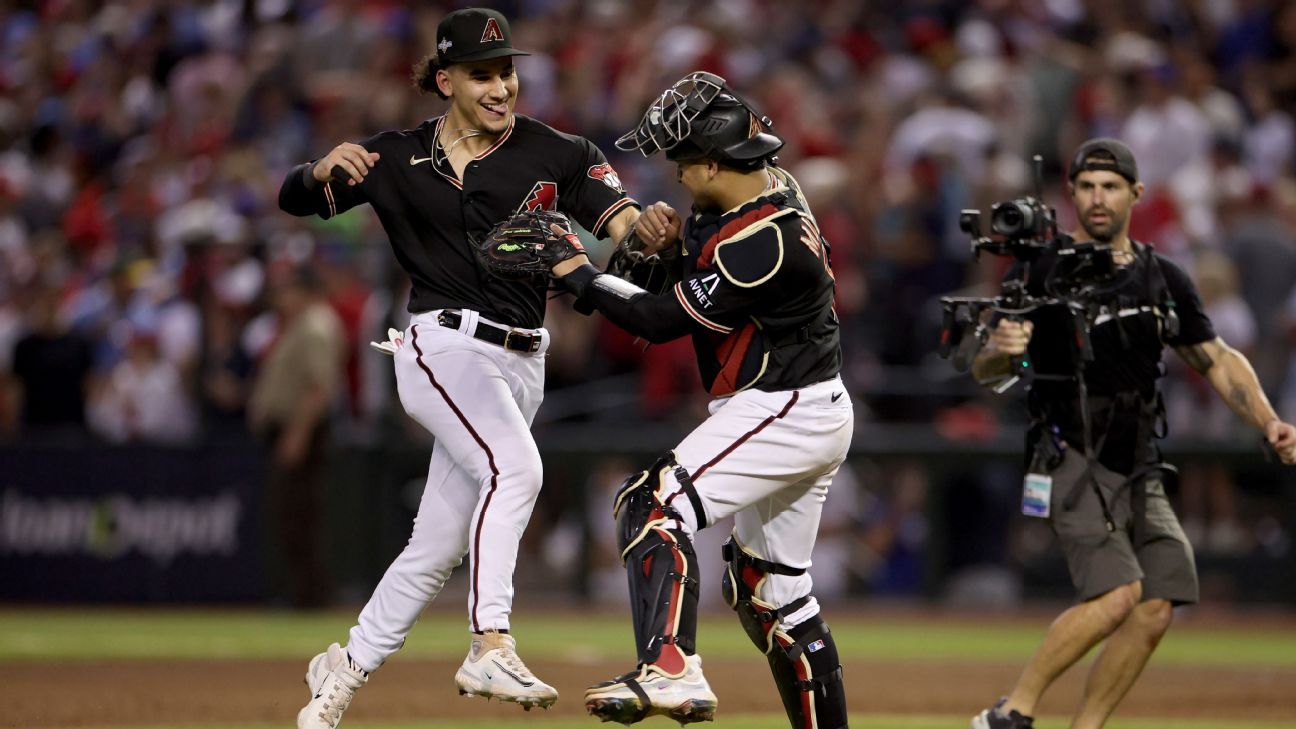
[424, 76]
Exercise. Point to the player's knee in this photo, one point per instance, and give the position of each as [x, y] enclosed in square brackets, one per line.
[745, 575]
[521, 468]
[658, 496]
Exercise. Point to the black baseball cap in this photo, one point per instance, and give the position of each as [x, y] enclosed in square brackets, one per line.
[474, 34]
[1112, 155]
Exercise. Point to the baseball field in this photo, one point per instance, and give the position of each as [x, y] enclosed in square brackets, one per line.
[203, 669]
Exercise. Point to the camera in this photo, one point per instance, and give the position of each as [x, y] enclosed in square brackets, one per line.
[1024, 218]
[1024, 226]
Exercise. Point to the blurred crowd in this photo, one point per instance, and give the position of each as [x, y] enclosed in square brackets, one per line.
[142, 145]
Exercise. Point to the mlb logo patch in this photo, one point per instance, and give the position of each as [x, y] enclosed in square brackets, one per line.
[815, 646]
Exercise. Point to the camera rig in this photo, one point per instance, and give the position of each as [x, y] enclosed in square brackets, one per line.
[1025, 228]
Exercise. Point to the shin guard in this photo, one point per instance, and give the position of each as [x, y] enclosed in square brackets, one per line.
[803, 659]
[660, 567]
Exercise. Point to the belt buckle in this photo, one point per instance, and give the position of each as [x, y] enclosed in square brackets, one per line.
[529, 346]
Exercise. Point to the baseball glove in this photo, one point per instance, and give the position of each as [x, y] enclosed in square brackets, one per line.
[525, 246]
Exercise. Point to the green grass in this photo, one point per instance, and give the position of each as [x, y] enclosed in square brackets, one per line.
[754, 722]
[32, 635]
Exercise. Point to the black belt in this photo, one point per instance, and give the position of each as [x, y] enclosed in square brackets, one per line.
[510, 339]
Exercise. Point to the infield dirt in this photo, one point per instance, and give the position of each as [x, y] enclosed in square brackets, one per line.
[84, 693]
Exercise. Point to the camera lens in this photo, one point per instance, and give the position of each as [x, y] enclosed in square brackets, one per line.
[1012, 219]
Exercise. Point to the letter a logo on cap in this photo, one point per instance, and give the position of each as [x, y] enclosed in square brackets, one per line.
[492, 32]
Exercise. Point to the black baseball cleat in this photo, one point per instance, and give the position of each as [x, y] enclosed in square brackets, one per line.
[994, 718]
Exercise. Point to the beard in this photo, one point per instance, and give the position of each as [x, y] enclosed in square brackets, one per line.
[1105, 231]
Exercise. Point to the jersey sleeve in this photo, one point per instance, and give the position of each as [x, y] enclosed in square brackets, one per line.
[592, 191]
[1195, 326]
[739, 280]
[699, 303]
[301, 194]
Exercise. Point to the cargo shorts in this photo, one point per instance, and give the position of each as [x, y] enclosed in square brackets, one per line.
[1102, 560]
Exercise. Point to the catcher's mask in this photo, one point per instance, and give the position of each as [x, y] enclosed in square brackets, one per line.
[699, 117]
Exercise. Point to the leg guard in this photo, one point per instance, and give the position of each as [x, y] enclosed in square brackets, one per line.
[660, 565]
[803, 659]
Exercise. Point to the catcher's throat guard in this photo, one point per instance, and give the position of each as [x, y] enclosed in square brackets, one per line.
[700, 117]
[660, 565]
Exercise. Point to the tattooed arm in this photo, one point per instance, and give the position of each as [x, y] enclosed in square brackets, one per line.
[1229, 372]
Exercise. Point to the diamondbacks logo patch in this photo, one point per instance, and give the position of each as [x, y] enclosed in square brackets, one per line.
[543, 196]
[608, 176]
[492, 31]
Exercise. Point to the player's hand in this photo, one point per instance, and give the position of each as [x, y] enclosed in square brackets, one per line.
[658, 227]
[355, 160]
[562, 268]
[1282, 436]
[1011, 337]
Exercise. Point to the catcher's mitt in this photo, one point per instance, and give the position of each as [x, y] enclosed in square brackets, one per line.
[525, 246]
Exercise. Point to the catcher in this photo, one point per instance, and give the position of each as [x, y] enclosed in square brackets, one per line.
[748, 277]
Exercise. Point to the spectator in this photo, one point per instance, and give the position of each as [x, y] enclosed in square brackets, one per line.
[143, 397]
[299, 378]
[51, 368]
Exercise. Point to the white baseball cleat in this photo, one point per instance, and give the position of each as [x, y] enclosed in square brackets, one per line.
[648, 691]
[493, 669]
[332, 679]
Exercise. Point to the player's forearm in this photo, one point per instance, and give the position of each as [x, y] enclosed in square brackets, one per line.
[657, 319]
[620, 224]
[297, 196]
[1235, 380]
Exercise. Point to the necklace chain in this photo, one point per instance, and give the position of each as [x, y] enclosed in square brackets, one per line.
[467, 134]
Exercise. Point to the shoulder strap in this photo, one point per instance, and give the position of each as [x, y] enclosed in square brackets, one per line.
[1159, 291]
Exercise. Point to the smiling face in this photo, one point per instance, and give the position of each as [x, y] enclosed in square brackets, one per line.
[482, 94]
[1103, 201]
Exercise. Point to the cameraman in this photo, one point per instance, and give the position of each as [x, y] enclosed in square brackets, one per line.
[1102, 490]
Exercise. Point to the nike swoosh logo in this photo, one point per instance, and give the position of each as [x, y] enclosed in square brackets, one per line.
[837, 396]
[415, 160]
[512, 675]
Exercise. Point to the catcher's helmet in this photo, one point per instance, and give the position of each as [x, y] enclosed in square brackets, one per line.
[699, 117]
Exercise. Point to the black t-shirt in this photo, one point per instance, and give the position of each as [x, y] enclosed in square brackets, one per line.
[1128, 339]
[430, 214]
[53, 370]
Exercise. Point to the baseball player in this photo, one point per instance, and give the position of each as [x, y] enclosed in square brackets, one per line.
[1095, 470]
[470, 366]
[750, 281]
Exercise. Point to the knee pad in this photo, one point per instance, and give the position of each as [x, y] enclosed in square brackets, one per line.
[643, 502]
[660, 566]
[744, 573]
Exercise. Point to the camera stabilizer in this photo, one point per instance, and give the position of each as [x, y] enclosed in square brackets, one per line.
[1026, 227]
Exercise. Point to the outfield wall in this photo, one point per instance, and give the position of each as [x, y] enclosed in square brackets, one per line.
[912, 515]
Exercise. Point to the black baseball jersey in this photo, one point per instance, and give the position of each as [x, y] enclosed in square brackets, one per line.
[1128, 337]
[756, 295]
[430, 215]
